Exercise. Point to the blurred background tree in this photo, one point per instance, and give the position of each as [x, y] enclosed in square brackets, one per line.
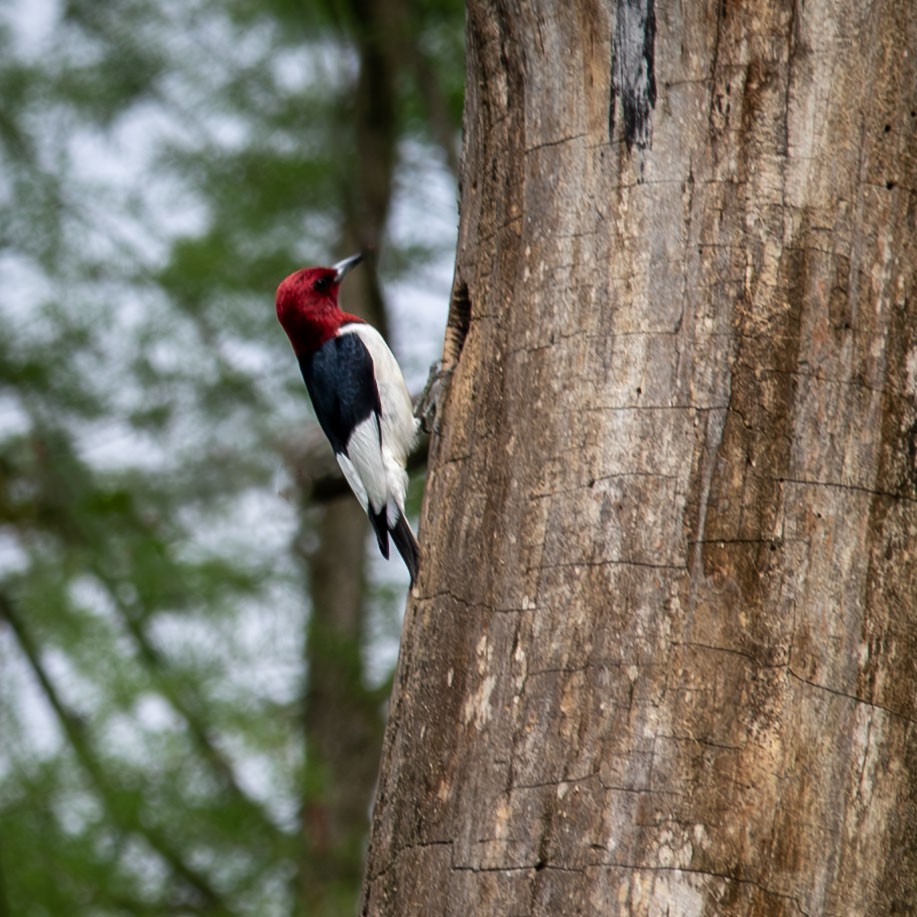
[194, 655]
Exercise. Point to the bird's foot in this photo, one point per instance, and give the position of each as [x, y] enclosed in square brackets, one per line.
[426, 407]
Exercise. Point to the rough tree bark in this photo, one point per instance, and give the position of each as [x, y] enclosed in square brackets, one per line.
[662, 657]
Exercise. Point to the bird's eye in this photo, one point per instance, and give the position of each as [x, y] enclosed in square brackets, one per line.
[321, 284]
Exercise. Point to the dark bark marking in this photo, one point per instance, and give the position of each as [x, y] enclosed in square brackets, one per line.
[633, 76]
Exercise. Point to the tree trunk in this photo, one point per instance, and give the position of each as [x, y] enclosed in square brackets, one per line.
[342, 716]
[343, 724]
[662, 658]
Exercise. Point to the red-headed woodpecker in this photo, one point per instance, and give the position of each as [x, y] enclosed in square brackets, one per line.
[359, 396]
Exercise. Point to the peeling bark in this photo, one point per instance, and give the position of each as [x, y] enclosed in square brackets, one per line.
[662, 656]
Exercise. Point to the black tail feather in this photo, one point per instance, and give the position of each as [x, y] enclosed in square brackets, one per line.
[380, 527]
[407, 546]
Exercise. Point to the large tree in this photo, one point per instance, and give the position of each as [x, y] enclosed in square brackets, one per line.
[662, 657]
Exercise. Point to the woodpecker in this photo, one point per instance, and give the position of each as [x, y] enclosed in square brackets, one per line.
[359, 395]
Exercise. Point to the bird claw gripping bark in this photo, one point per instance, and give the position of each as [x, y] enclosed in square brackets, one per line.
[426, 408]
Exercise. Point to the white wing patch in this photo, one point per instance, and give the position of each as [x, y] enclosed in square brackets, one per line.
[376, 470]
[353, 479]
[365, 458]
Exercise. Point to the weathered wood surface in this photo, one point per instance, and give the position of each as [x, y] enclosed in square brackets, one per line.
[662, 658]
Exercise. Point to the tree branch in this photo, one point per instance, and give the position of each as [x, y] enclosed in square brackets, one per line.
[74, 728]
[184, 706]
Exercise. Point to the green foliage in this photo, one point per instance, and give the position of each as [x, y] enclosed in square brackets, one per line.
[162, 167]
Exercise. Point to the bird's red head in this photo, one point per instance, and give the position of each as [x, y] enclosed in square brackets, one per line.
[307, 305]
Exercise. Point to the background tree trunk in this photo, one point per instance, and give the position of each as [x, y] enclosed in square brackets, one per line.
[662, 654]
[342, 715]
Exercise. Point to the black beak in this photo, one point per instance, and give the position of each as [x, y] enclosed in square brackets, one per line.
[343, 267]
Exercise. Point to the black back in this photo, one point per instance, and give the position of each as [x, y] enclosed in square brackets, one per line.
[342, 386]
